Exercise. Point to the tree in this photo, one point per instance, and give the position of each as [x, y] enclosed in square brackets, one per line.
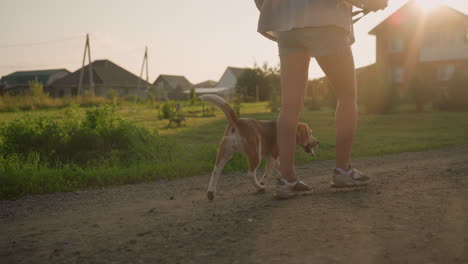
[36, 89]
[257, 83]
[458, 90]
[421, 89]
[249, 83]
[377, 94]
[193, 96]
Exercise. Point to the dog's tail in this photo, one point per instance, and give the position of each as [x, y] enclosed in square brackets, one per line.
[223, 105]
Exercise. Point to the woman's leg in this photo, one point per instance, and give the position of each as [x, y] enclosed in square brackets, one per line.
[294, 76]
[339, 68]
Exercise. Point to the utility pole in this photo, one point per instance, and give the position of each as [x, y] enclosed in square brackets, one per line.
[91, 83]
[145, 63]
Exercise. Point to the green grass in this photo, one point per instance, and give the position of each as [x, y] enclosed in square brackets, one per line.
[405, 130]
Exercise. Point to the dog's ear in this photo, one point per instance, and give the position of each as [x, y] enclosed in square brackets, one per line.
[302, 135]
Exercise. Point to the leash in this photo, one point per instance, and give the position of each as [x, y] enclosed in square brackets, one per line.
[361, 12]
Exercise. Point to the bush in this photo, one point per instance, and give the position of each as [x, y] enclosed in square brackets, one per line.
[166, 110]
[377, 95]
[313, 103]
[100, 136]
[275, 102]
[10, 103]
[421, 89]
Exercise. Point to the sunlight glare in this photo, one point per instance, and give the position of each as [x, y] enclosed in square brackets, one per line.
[429, 4]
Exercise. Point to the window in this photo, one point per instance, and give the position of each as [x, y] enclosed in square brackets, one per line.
[445, 72]
[396, 45]
[397, 75]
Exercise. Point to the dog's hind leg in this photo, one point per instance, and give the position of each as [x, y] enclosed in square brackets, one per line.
[254, 162]
[270, 165]
[224, 155]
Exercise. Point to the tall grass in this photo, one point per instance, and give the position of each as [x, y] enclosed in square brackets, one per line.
[47, 152]
[16, 103]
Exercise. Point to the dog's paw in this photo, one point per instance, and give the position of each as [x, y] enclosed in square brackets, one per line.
[210, 195]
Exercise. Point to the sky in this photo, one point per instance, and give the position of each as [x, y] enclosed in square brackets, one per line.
[197, 39]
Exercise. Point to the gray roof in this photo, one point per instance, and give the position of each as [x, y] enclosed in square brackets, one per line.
[236, 71]
[174, 81]
[23, 77]
[206, 84]
[105, 72]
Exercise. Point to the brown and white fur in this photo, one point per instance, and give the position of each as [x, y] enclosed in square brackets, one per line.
[256, 139]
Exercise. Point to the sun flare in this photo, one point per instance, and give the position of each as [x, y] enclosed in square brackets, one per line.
[429, 4]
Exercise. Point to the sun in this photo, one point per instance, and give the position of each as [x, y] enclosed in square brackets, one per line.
[429, 4]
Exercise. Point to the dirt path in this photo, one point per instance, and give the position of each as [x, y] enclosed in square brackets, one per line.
[415, 211]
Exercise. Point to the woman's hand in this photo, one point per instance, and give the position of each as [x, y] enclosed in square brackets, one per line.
[371, 5]
[375, 5]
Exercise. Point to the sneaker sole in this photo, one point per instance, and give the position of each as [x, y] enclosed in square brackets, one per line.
[334, 185]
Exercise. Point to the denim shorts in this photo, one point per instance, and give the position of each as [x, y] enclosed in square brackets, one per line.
[316, 41]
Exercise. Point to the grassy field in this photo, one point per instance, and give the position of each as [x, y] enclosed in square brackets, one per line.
[404, 130]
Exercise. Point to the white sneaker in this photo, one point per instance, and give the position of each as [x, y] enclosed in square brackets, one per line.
[350, 178]
[286, 190]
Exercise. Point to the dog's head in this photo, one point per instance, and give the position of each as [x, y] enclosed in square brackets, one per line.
[305, 139]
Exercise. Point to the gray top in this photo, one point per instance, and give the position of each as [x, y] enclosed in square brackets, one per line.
[284, 15]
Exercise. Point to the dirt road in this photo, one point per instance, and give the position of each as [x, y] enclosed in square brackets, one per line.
[415, 211]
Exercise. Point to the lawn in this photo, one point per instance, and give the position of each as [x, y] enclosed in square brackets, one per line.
[404, 130]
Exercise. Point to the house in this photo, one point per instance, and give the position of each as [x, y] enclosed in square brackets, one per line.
[230, 77]
[206, 84]
[17, 83]
[413, 37]
[107, 77]
[226, 84]
[173, 87]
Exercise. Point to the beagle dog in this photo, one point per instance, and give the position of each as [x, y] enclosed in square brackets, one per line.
[256, 139]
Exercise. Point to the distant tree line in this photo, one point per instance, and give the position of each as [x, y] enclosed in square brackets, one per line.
[376, 93]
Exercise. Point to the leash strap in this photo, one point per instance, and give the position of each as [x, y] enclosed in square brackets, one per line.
[357, 13]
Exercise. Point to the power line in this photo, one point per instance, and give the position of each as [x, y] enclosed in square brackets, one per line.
[18, 45]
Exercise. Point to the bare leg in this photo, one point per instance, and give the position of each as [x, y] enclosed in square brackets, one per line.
[339, 68]
[294, 75]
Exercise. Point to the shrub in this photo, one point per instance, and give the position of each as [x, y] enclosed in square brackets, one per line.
[36, 89]
[458, 92]
[193, 96]
[377, 94]
[313, 103]
[166, 110]
[100, 136]
[455, 96]
[421, 89]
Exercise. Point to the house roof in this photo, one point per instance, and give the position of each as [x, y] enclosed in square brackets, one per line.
[236, 71]
[409, 13]
[23, 77]
[105, 72]
[206, 84]
[175, 81]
